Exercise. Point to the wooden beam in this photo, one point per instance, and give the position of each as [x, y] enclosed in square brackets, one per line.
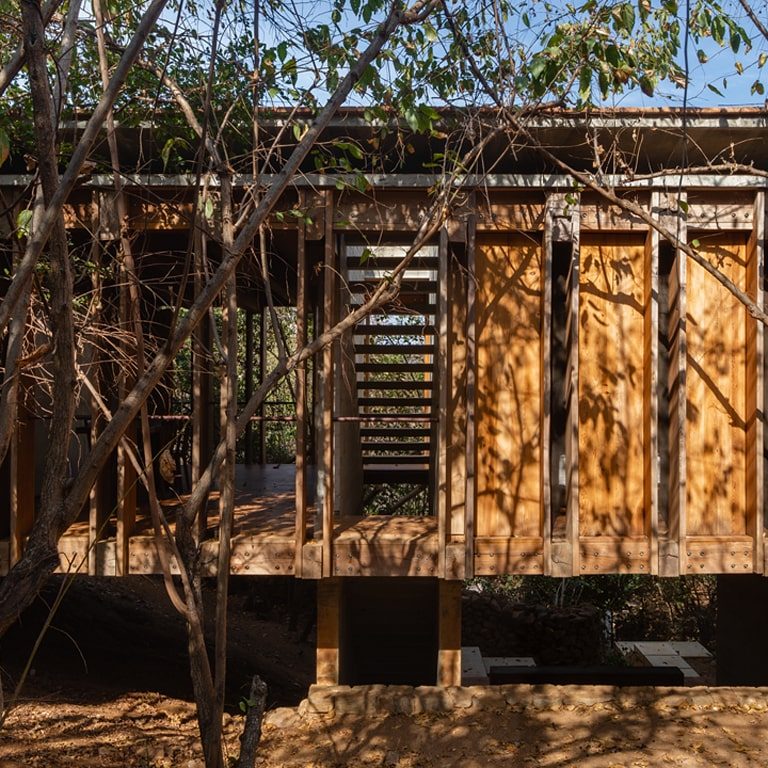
[442, 494]
[326, 457]
[755, 385]
[650, 394]
[470, 502]
[301, 400]
[449, 633]
[329, 596]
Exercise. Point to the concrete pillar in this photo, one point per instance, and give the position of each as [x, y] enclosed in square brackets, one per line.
[742, 629]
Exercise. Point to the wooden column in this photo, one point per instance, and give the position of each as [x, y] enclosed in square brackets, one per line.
[126, 472]
[470, 501]
[325, 455]
[755, 523]
[449, 633]
[301, 400]
[650, 394]
[263, 325]
[329, 594]
[546, 399]
[248, 383]
[443, 383]
[562, 222]
[201, 386]
[672, 551]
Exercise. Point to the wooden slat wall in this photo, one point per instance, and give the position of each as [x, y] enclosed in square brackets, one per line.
[722, 401]
[616, 396]
[716, 377]
[509, 408]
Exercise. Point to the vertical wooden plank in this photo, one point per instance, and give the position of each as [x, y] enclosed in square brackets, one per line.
[449, 633]
[508, 414]
[716, 412]
[126, 472]
[248, 383]
[611, 390]
[470, 500]
[325, 468]
[650, 393]
[329, 594]
[562, 226]
[263, 331]
[201, 383]
[674, 560]
[442, 494]
[545, 405]
[301, 398]
[755, 385]
[457, 416]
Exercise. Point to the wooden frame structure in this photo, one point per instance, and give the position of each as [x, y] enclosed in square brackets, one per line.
[591, 399]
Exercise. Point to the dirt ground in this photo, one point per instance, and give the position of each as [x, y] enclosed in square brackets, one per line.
[145, 730]
[110, 690]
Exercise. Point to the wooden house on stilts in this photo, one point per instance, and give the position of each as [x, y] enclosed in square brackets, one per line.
[556, 389]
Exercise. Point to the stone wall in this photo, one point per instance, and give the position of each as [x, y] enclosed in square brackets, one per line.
[402, 699]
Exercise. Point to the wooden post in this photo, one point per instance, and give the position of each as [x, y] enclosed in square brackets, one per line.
[201, 386]
[650, 393]
[443, 384]
[546, 399]
[263, 325]
[470, 502]
[126, 472]
[325, 468]
[301, 399]
[754, 384]
[673, 558]
[562, 219]
[329, 594]
[449, 633]
[248, 383]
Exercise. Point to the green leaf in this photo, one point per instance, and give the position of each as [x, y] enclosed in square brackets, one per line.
[23, 223]
[735, 41]
[696, 243]
[714, 89]
[761, 59]
[683, 205]
[208, 209]
[703, 58]
[757, 87]
[526, 20]
[647, 85]
[365, 255]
